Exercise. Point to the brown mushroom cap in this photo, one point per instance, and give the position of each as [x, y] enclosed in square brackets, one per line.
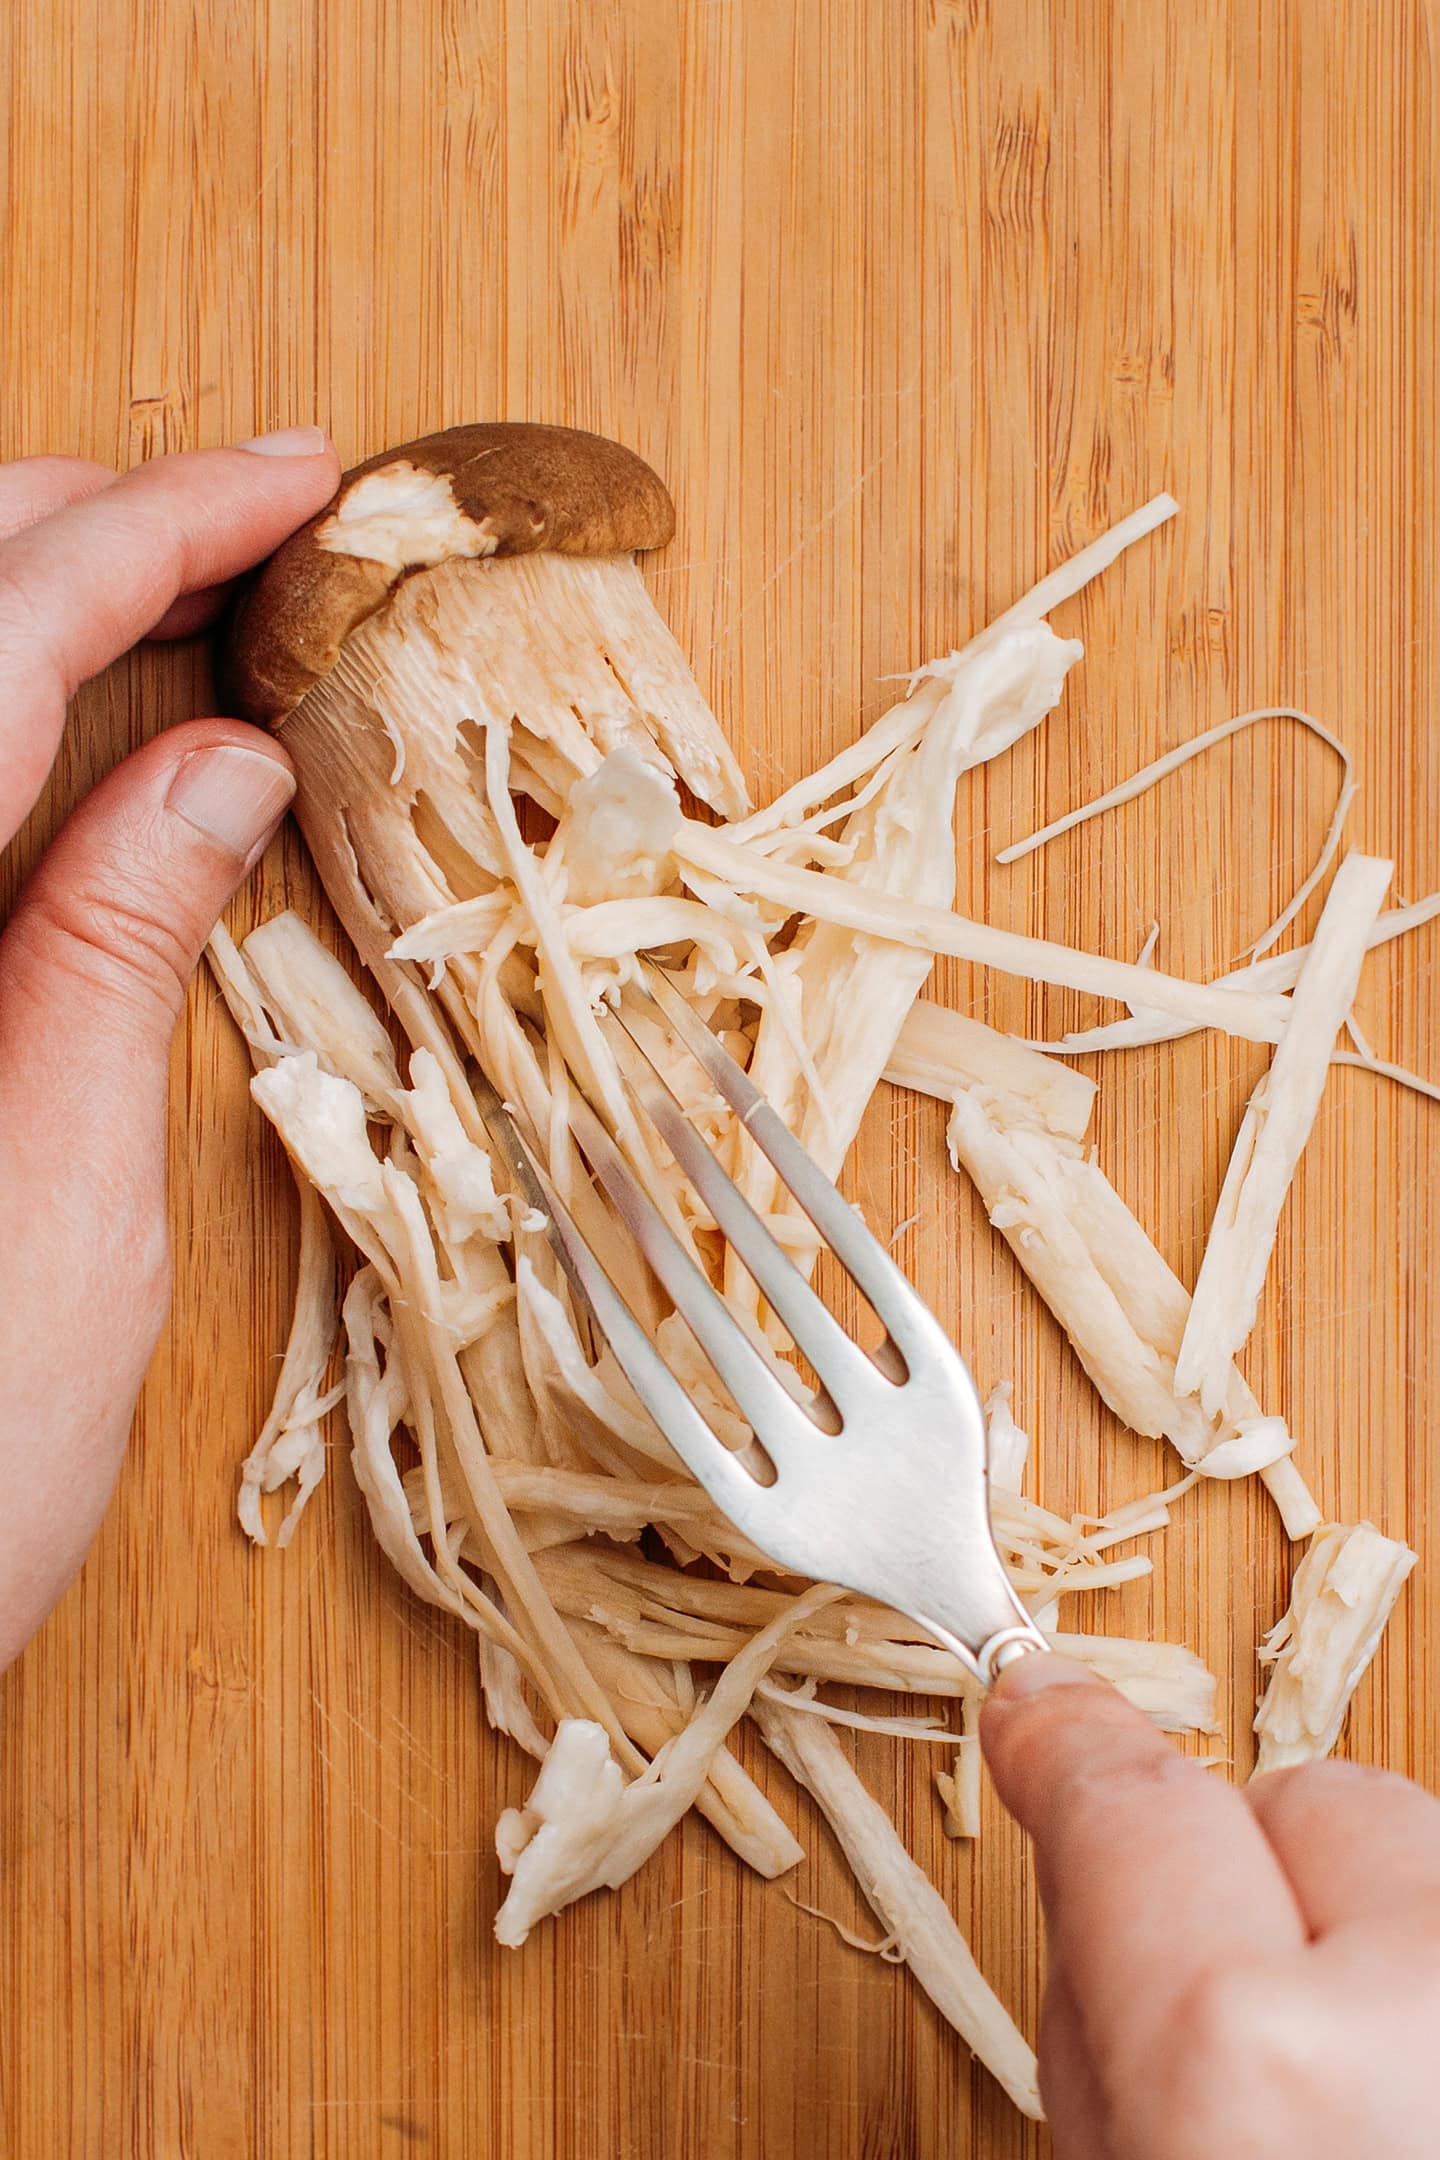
[500, 488]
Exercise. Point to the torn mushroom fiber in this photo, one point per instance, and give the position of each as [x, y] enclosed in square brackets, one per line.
[491, 725]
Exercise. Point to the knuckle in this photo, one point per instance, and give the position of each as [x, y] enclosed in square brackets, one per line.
[33, 488]
[1218, 2008]
[1111, 1755]
[54, 465]
[1240, 2020]
[1249, 2014]
[32, 656]
[1096, 1794]
[21, 630]
[113, 938]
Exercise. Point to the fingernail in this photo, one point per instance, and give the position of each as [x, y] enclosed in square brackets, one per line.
[235, 797]
[1040, 1669]
[288, 442]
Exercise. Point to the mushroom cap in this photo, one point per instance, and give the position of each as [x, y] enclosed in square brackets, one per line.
[503, 487]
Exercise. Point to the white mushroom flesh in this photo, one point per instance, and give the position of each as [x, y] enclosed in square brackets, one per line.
[491, 772]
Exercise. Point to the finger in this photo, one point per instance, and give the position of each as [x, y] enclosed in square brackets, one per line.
[93, 968]
[1070, 2086]
[192, 613]
[1150, 1870]
[36, 487]
[1372, 1994]
[83, 585]
[1357, 1844]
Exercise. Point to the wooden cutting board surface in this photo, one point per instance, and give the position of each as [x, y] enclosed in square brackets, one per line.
[906, 298]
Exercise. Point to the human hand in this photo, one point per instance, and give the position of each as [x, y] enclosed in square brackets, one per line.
[97, 954]
[1248, 1973]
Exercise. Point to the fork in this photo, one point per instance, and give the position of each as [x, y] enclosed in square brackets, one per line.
[880, 1482]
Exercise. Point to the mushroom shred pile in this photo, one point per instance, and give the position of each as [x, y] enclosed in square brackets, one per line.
[513, 789]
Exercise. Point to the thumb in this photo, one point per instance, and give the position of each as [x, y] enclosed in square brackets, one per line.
[93, 969]
[106, 935]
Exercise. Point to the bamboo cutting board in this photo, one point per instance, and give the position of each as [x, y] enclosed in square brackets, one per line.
[905, 298]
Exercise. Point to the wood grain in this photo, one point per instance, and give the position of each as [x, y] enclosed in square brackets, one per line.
[904, 300]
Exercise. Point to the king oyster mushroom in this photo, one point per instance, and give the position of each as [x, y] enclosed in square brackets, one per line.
[465, 625]
[481, 579]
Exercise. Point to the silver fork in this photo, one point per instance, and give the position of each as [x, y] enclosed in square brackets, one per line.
[880, 1483]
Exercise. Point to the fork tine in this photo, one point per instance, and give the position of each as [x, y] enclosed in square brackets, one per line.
[899, 1306]
[918, 1538]
[703, 1453]
[758, 1394]
[842, 1366]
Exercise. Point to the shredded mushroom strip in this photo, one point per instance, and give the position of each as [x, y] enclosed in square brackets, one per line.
[1149, 775]
[1272, 1134]
[1343, 1593]
[497, 669]
[910, 1909]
